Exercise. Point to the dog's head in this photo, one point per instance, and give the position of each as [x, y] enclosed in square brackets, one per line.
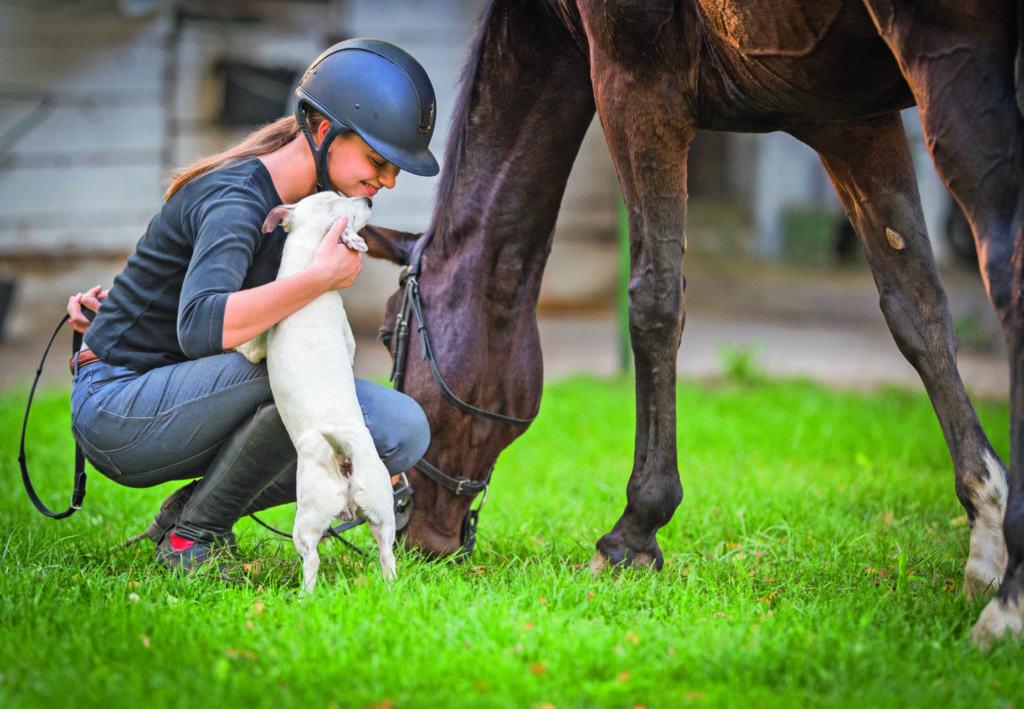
[323, 209]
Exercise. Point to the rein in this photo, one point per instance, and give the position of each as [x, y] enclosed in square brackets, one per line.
[78, 493]
[412, 307]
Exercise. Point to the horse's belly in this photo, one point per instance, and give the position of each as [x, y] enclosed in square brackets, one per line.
[796, 58]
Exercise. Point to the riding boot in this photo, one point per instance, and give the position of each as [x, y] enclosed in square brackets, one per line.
[281, 491]
[250, 460]
[168, 514]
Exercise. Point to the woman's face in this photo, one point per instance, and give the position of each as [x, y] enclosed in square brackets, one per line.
[357, 170]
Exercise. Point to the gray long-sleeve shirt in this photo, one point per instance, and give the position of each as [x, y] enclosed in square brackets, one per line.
[206, 242]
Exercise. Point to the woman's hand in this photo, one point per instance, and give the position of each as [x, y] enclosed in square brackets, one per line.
[335, 264]
[251, 311]
[90, 300]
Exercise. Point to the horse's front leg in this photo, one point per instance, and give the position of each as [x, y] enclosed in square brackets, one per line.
[650, 161]
[870, 165]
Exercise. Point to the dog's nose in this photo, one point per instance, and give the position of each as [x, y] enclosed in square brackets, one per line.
[368, 202]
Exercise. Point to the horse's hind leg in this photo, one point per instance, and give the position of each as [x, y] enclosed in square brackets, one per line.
[959, 62]
[870, 165]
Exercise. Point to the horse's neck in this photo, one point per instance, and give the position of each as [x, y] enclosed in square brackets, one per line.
[516, 133]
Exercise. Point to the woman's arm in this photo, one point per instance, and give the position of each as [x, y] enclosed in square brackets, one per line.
[254, 310]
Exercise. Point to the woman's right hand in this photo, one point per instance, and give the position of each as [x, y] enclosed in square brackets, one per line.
[90, 300]
[336, 264]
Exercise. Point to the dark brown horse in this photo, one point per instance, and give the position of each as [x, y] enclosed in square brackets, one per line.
[834, 74]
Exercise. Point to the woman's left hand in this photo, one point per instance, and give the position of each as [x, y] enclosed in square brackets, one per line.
[89, 300]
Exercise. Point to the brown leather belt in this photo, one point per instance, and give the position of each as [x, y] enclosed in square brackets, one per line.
[82, 358]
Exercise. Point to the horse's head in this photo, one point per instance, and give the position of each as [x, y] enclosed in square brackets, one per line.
[480, 374]
[524, 107]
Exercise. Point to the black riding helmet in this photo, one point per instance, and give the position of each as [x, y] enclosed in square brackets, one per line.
[377, 90]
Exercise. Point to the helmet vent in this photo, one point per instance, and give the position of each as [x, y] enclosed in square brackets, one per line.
[426, 119]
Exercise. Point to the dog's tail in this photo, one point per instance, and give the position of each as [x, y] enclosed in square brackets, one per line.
[336, 441]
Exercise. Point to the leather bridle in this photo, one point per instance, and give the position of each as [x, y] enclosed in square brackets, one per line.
[412, 307]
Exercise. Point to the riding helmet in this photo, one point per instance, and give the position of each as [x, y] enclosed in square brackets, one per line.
[377, 90]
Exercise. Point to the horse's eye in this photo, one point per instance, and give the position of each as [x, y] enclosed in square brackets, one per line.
[385, 337]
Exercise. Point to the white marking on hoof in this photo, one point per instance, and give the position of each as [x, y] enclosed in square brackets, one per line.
[987, 559]
[895, 240]
[997, 620]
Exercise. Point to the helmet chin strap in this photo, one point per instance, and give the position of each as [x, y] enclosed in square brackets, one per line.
[323, 182]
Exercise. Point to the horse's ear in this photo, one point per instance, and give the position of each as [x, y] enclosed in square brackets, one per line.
[388, 244]
[277, 215]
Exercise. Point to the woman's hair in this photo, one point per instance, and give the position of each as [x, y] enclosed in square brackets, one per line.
[260, 142]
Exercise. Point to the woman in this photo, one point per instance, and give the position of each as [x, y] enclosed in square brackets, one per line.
[157, 395]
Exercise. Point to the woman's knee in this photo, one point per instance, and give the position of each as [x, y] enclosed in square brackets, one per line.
[397, 424]
[406, 439]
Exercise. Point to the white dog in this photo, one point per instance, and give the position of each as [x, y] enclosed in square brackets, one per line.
[309, 359]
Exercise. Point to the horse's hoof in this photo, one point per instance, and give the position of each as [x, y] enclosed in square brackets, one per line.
[998, 619]
[624, 558]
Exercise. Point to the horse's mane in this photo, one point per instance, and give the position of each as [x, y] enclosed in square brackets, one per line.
[458, 128]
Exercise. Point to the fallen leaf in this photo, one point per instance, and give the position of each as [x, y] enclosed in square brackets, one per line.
[240, 652]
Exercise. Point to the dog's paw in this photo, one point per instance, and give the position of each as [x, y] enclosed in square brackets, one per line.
[255, 350]
[352, 240]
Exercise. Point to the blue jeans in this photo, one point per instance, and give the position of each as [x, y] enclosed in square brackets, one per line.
[146, 429]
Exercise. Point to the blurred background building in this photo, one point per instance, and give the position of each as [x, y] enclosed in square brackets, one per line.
[101, 99]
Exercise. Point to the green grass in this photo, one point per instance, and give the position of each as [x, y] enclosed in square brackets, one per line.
[816, 560]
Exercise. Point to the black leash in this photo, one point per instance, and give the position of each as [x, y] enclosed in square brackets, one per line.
[79, 490]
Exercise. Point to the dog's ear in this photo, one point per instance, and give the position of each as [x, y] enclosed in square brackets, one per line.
[278, 215]
[388, 244]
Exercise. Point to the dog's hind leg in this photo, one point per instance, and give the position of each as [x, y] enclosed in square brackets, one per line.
[315, 504]
[375, 499]
[385, 537]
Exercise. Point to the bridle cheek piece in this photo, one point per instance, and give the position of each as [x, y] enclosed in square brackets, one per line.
[412, 307]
